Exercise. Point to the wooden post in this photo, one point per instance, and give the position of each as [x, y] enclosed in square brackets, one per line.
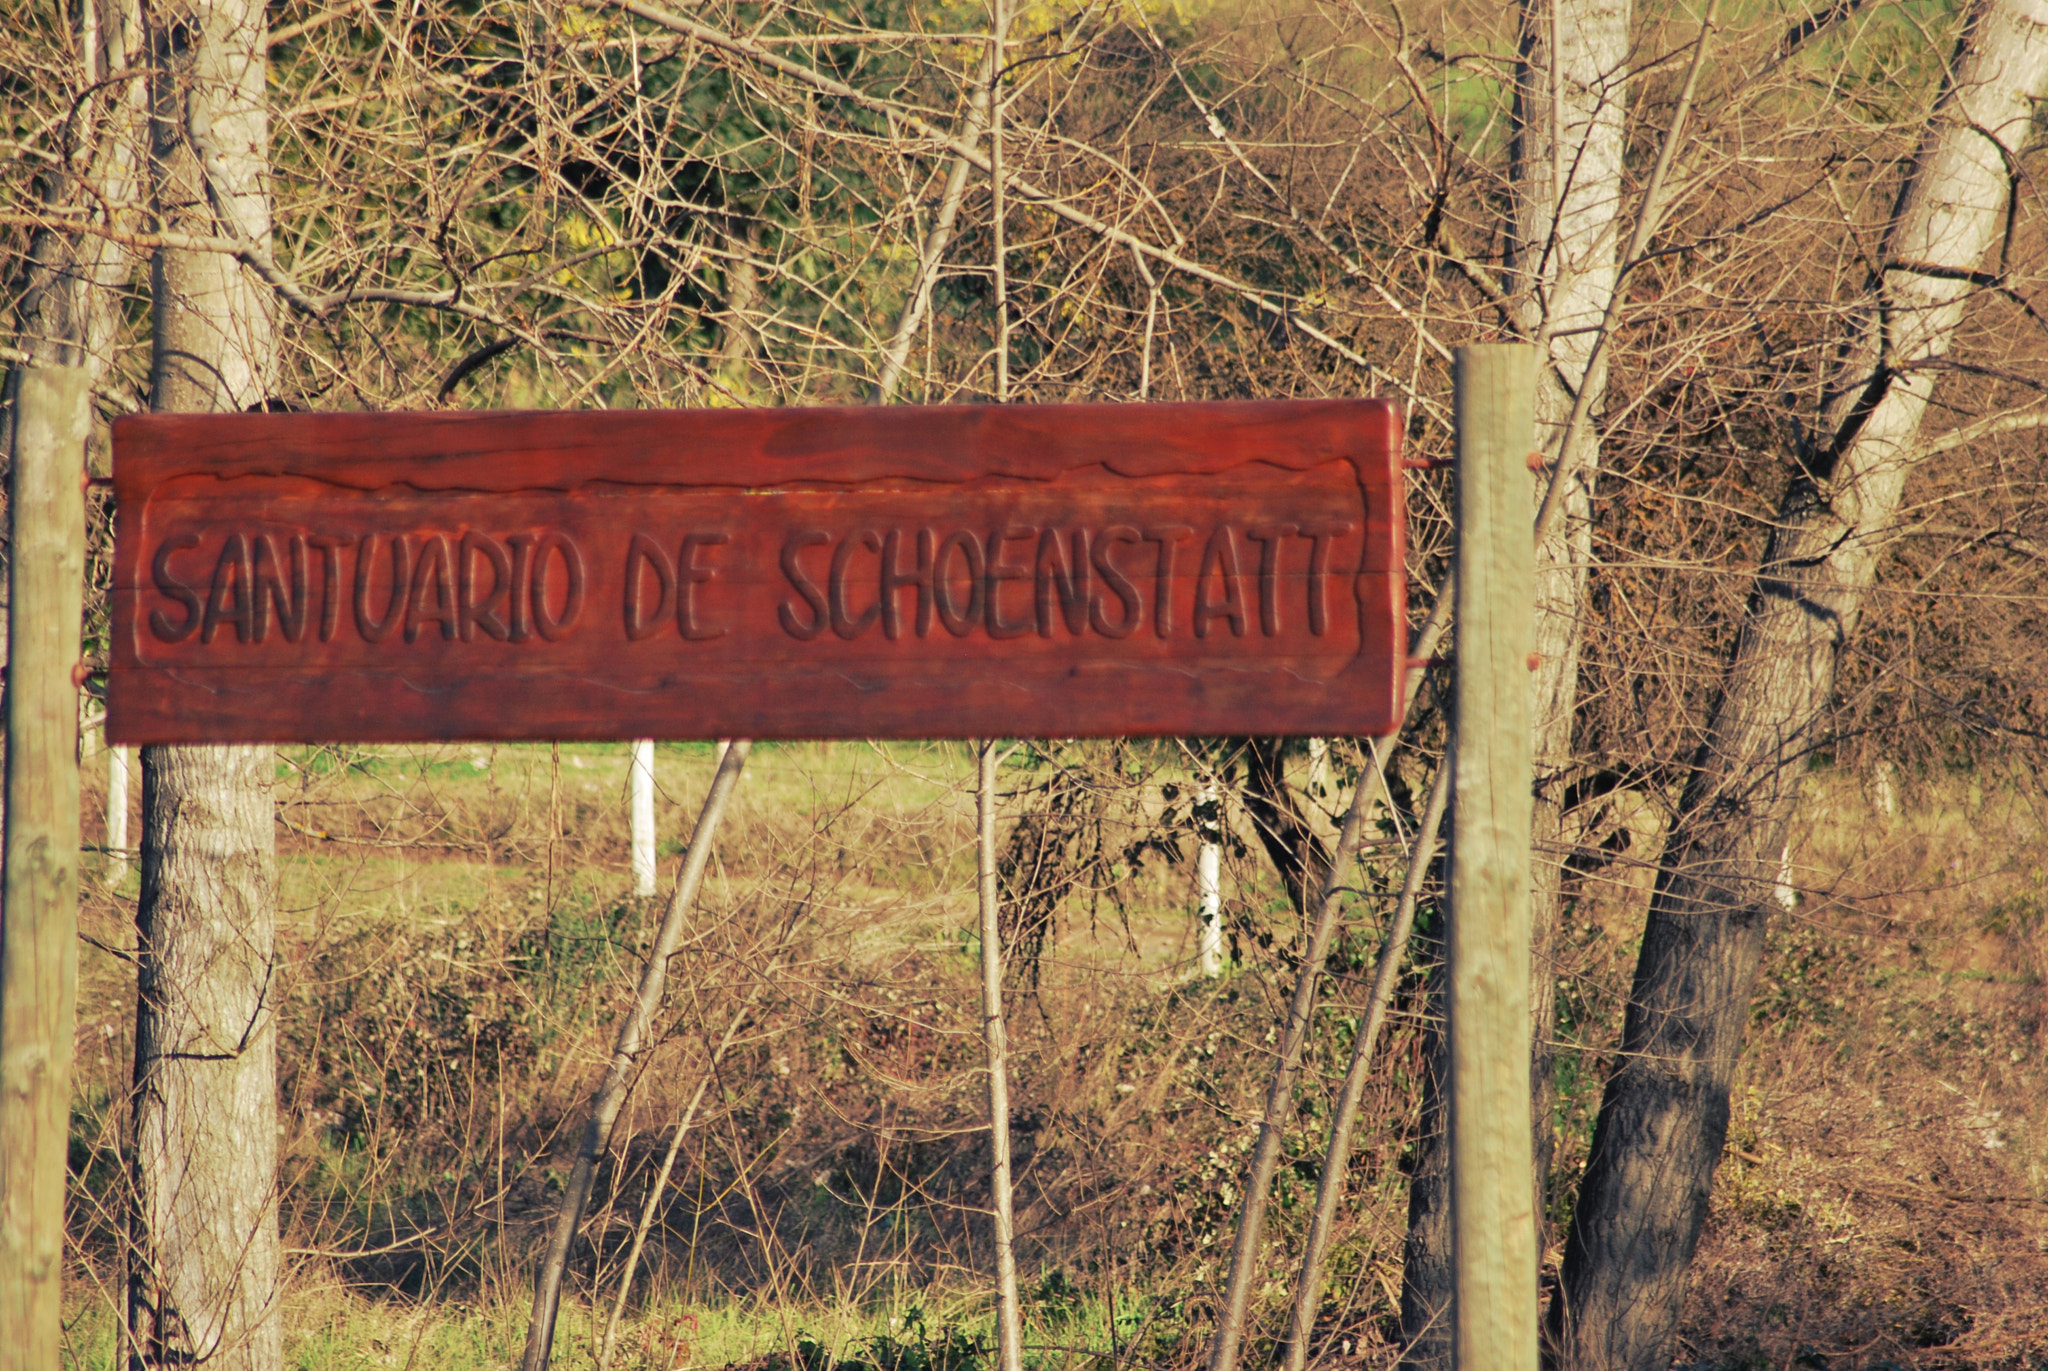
[39, 906]
[1493, 1216]
[640, 763]
[120, 764]
[1009, 1312]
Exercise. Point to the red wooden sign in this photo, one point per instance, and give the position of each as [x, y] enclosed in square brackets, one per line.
[1017, 571]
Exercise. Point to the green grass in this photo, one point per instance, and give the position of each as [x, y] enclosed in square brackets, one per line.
[333, 1329]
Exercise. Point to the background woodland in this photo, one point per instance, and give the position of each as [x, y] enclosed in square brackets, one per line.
[1782, 264]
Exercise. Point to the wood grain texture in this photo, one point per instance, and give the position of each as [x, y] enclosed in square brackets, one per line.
[945, 572]
[1493, 1198]
[39, 883]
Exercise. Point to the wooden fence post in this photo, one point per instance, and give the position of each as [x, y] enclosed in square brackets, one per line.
[1493, 1220]
[39, 907]
[120, 766]
[640, 776]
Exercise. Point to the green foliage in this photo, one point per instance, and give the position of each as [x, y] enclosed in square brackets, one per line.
[915, 1348]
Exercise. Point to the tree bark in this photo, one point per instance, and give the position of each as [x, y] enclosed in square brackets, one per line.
[1567, 188]
[205, 1282]
[1568, 185]
[1664, 1117]
[740, 322]
[1209, 881]
[1427, 1276]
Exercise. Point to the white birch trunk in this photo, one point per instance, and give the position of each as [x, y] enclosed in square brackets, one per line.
[640, 765]
[1568, 192]
[1886, 792]
[1209, 882]
[207, 1265]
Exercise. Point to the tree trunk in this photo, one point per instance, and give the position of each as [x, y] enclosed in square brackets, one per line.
[205, 1284]
[995, 1041]
[1564, 260]
[1663, 1120]
[740, 321]
[120, 762]
[206, 1279]
[1568, 194]
[1427, 1276]
[69, 311]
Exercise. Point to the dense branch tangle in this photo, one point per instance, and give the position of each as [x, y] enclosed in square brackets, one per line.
[593, 188]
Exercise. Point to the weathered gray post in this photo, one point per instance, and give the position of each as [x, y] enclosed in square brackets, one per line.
[39, 908]
[1492, 1157]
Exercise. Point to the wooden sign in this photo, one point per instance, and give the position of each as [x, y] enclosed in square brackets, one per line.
[1015, 571]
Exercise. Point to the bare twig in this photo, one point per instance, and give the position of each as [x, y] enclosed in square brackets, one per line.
[1010, 1319]
[1337, 1157]
[610, 1093]
[1265, 1160]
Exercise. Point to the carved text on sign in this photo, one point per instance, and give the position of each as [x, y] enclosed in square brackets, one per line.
[1054, 570]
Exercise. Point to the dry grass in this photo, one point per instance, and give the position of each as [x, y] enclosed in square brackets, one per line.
[453, 970]
[1885, 1194]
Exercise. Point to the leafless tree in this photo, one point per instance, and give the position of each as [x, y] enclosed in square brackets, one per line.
[1663, 1121]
